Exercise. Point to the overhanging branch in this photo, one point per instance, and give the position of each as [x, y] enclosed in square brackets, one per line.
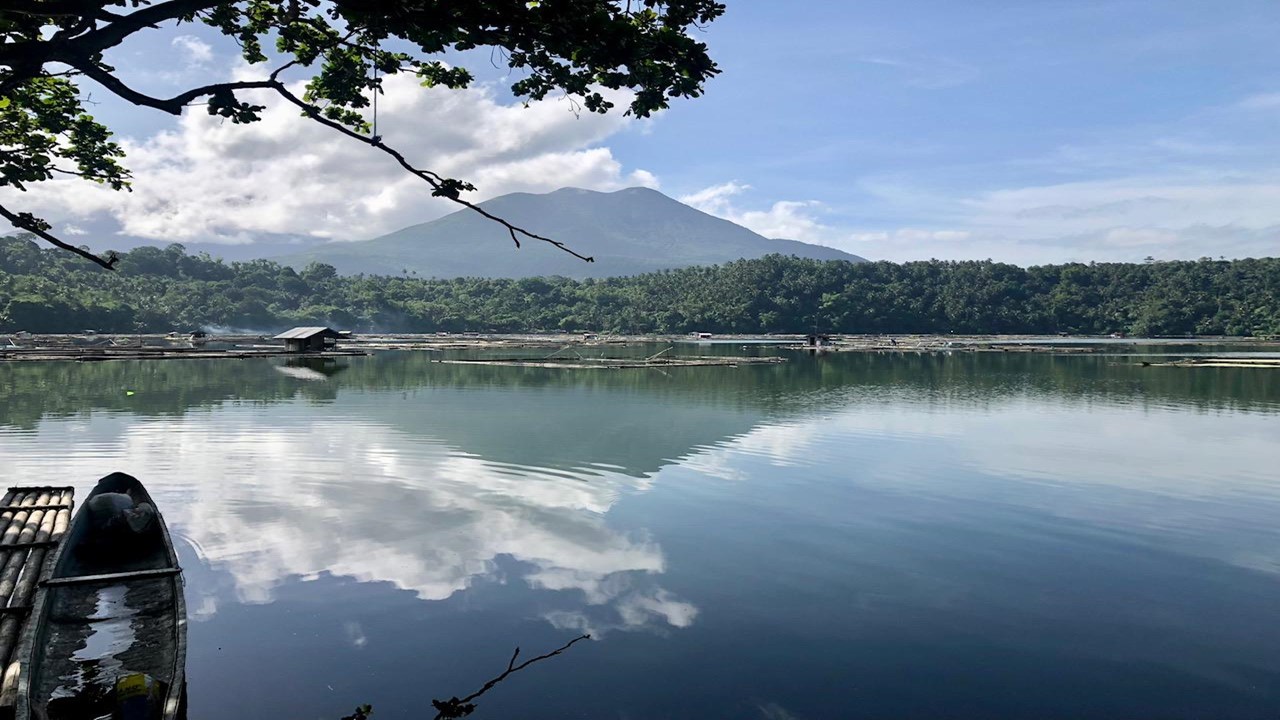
[115, 32]
[28, 222]
[25, 58]
[172, 105]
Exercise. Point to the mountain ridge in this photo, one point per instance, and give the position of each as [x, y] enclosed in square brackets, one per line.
[628, 232]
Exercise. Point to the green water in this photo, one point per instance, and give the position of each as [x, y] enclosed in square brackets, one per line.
[980, 535]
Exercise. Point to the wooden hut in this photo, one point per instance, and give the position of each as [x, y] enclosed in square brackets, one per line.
[308, 339]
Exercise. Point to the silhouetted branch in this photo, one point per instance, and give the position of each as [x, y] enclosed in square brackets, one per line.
[24, 59]
[172, 105]
[39, 228]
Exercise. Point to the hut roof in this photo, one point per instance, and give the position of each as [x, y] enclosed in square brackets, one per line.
[303, 333]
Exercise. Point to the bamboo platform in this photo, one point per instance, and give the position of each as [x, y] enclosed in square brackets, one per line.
[99, 354]
[580, 363]
[1222, 362]
[32, 522]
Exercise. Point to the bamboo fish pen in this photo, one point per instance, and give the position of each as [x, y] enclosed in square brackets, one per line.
[32, 521]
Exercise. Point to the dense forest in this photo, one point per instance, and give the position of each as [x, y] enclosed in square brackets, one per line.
[159, 290]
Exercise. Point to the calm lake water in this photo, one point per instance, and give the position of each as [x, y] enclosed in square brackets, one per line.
[845, 536]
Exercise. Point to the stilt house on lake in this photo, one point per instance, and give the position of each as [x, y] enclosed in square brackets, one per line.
[308, 339]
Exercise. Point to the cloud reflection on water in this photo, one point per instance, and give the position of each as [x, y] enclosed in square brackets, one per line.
[266, 503]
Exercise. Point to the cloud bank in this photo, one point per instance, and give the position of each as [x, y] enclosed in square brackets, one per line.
[211, 181]
[1122, 220]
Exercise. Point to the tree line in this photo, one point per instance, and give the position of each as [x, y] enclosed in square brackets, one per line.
[166, 289]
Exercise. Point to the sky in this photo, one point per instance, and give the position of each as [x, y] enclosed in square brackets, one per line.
[1028, 132]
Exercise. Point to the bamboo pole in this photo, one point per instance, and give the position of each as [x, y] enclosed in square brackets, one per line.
[39, 526]
[12, 499]
[18, 558]
[9, 686]
[19, 518]
[26, 585]
[16, 523]
[14, 534]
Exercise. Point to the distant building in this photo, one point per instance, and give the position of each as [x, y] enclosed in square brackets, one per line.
[817, 340]
[308, 339]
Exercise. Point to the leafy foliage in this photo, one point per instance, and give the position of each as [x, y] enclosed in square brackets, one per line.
[42, 122]
[579, 47]
[166, 289]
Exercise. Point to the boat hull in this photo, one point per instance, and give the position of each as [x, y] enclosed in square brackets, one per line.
[109, 610]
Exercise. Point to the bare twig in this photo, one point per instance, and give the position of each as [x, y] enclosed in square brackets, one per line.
[28, 222]
[457, 708]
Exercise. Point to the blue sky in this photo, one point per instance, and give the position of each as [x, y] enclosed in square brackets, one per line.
[1029, 132]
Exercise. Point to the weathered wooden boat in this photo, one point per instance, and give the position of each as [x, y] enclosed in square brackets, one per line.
[108, 633]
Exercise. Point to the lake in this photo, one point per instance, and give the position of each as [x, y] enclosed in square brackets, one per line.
[850, 535]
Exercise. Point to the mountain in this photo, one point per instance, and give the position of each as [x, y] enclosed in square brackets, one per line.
[628, 232]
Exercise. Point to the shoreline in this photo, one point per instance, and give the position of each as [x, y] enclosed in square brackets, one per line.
[86, 347]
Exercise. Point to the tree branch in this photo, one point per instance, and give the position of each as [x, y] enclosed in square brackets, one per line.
[28, 222]
[25, 59]
[172, 105]
[443, 186]
[115, 33]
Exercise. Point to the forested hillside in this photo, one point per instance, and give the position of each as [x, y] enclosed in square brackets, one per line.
[157, 290]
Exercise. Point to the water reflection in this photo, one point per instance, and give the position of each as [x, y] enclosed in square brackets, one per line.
[1024, 535]
[32, 391]
[311, 369]
[305, 497]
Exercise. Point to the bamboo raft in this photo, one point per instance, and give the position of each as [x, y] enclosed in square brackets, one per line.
[1222, 362]
[616, 363]
[98, 354]
[33, 519]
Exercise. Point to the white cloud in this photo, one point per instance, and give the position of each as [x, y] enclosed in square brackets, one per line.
[910, 235]
[1171, 217]
[210, 180]
[1130, 237]
[785, 219]
[1175, 215]
[790, 220]
[1098, 206]
[715, 199]
[643, 178]
[197, 51]
[797, 220]
[1204, 185]
[1261, 101]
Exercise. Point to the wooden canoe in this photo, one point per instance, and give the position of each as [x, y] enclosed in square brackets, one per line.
[110, 610]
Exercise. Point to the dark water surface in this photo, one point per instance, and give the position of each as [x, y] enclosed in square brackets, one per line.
[846, 536]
